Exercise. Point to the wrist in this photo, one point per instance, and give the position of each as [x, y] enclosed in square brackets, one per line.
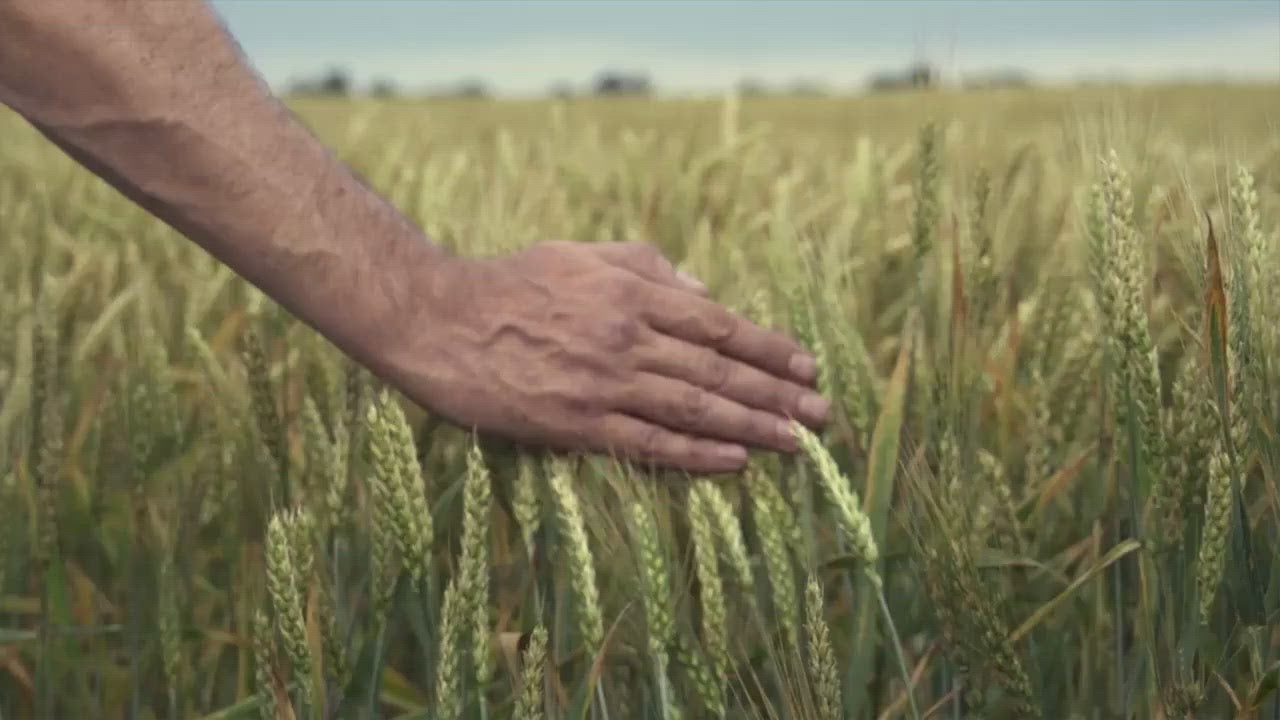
[350, 264]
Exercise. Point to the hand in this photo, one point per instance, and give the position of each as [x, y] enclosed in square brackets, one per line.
[601, 348]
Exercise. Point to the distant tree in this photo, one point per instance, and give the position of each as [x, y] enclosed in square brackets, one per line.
[751, 87]
[472, 88]
[620, 83]
[922, 75]
[916, 76]
[335, 82]
[384, 88]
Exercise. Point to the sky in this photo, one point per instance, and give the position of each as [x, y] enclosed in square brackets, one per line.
[686, 46]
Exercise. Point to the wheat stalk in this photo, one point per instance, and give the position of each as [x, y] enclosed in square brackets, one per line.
[474, 566]
[728, 528]
[773, 523]
[530, 702]
[527, 504]
[582, 572]
[284, 581]
[655, 581]
[715, 632]
[822, 657]
[395, 494]
[265, 663]
[448, 684]
[849, 513]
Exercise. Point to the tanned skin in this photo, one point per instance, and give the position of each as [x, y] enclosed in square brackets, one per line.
[574, 347]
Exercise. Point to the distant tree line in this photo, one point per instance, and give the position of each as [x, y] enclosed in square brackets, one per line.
[337, 82]
[917, 76]
[334, 81]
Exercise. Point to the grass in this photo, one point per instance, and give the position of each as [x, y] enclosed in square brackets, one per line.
[1045, 318]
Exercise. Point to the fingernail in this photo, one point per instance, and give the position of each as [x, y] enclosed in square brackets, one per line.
[787, 433]
[691, 281]
[732, 453]
[804, 367]
[814, 408]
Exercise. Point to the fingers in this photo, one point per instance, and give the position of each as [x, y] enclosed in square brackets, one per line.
[648, 262]
[688, 408]
[646, 443]
[706, 368]
[703, 322]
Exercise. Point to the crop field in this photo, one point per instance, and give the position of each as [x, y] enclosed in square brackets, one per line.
[1047, 320]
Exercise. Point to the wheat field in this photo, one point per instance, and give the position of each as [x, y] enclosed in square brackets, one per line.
[1046, 319]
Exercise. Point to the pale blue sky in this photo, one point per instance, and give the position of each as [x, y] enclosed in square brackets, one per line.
[524, 47]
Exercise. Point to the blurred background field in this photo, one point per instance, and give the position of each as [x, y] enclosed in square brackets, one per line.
[1045, 314]
[1204, 116]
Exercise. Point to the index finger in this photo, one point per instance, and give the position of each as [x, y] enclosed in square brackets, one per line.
[705, 322]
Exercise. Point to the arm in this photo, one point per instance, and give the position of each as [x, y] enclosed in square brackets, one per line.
[576, 347]
[156, 98]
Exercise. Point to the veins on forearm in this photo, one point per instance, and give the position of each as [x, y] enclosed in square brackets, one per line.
[156, 98]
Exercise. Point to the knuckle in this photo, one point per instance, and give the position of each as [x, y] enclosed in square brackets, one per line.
[650, 442]
[620, 334]
[779, 396]
[624, 393]
[691, 407]
[719, 325]
[626, 291]
[714, 370]
[580, 404]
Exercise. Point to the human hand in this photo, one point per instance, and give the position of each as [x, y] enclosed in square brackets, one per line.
[570, 346]
[599, 347]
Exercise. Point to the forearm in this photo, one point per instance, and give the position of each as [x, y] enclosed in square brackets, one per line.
[156, 98]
